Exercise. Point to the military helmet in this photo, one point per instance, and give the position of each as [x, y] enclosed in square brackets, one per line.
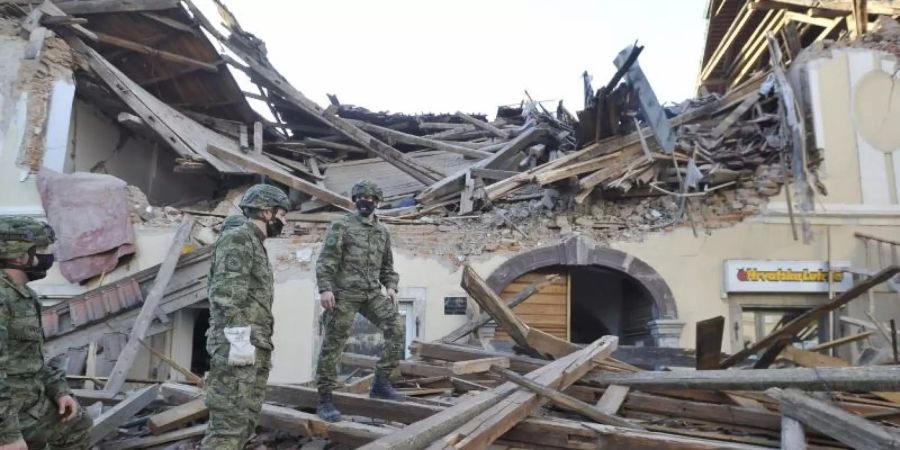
[264, 196]
[366, 187]
[233, 222]
[19, 234]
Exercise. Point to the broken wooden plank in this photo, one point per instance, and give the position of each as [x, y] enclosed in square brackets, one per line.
[500, 160]
[109, 421]
[612, 399]
[710, 412]
[819, 379]
[492, 174]
[565, 401]
[832, 421]
[148, 311]
[178, 416]
[483, 125]
[484, 318]
[404, 138]
[478, 289]
[792, 436]
[424, 432]
[799, 323]
[841, 341]
[485, 428]
[152, 441]
[616, 437]
[258, 166]
[85, 7]
[315, 142]
[479, 365]
[709, 342]
[150, 51]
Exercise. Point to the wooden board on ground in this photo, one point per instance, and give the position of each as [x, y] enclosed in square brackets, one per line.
[178, 416]
[110, 420]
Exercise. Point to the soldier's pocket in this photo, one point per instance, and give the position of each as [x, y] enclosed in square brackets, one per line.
[40, 408]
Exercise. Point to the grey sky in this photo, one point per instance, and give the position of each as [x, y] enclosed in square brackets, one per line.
[472, 55]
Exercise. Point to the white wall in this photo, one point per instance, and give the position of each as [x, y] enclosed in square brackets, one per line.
[99, 146]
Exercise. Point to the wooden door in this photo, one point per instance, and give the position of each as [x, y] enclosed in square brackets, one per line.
[547, 310]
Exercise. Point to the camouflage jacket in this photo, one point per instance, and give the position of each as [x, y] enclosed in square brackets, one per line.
[240, 286]
[356, 256]
[21, 352]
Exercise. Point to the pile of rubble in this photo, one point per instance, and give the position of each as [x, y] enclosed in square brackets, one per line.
[557, 395]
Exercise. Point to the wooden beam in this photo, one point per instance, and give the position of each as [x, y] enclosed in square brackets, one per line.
[421, 433]
[803, 18]
[613, 398]
[483, 125]
[161, 54]
[824, 379]
[881, 7]
[260, 167]
[153, 441]
[85, 7]
[841, 341]
[525, 336]
[792, 436]
[709, 342]
[492, 174]
[404, 138]
[484, 318]
[481, 431]
[799, 323]
[832, 421]
[565, 401]
[178, 416]
[479, 365]
[148, 311]
[109, 421]
[708, 412]
[735, 29]
[170, 22]
[314, 142]
[499, 160]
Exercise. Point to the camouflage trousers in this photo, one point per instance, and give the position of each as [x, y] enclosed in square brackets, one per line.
[234, 396]
[375, 307]
[40, 422]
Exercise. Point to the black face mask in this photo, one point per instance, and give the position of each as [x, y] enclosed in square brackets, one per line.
[365, 207]
[274, 228]
[39, 270]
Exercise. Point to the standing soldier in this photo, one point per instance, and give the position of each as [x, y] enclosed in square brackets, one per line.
[354, 264]
[239, 339]
[36, 405]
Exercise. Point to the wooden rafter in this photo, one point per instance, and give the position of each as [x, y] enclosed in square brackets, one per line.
[883, 7]
[161, 54]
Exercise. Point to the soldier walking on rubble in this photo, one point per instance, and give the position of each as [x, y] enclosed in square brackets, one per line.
[36, 405]
[354, 264]
[239, 339]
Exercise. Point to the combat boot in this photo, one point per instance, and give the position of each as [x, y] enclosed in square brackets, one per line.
[381, 388]
[326, 409]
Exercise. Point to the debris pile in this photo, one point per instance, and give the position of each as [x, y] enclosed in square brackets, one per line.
[555, 394]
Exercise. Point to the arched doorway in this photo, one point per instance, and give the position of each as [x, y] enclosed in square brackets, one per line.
[604, 291]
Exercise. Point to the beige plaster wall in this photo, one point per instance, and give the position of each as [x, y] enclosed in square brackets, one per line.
[297, 310]
[693, 267]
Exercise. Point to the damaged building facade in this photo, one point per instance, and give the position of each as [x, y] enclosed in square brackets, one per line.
[139, 108]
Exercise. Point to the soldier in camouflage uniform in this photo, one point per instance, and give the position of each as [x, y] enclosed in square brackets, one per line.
[36, 406]
[239, 339]
[354, 264]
